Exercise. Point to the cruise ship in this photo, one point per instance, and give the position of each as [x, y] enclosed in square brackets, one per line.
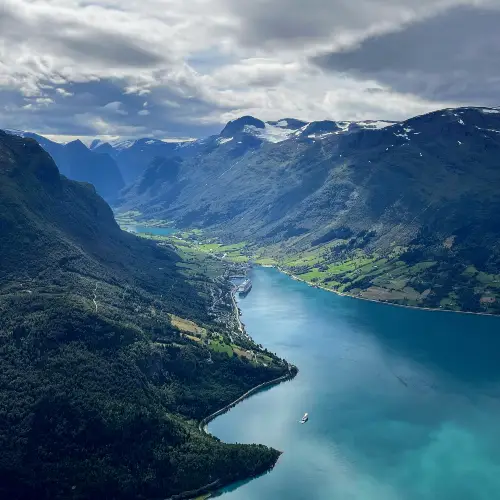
[245, 287]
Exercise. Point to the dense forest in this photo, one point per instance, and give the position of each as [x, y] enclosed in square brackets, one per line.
[100, 392]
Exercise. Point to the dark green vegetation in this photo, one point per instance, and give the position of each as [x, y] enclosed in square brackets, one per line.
[406, 214]
[100, 388]
[77, 162]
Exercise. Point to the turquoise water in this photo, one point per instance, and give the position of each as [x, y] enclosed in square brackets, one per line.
[403, 404]
[158, 231]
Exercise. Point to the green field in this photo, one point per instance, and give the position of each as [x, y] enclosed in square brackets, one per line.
[359, 273]
[218, 346]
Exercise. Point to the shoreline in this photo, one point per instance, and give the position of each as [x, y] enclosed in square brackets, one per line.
[203, 427]
[292, 372]
[343, 294]
[241, 326]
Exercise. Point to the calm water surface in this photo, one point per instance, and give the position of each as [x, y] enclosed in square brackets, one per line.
[403, 404]
[158, 231]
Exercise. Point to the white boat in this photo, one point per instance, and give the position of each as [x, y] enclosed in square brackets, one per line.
[245, 287]
[304, 419]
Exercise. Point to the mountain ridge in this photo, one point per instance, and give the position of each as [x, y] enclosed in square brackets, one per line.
[401, 190]
[77, 162]
[133, 155]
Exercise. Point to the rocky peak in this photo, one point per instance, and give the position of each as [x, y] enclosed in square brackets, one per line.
[238, 126]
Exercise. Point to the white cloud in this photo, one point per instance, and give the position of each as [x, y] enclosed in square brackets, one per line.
[86, 67]
[44, 101]
[115, 107]
[64, 92]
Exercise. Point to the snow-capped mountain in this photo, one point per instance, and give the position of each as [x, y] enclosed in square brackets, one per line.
[421, 197]
[289, 128]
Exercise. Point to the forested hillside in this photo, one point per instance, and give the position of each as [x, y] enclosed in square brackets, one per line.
[101, 389]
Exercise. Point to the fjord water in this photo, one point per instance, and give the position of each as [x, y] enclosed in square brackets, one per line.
[157, 231]
[403, 403]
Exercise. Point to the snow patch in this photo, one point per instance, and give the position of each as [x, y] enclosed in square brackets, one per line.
[282, 124]
[224, 140]
[374, 124]
[13, 131]
[120, 145]
[405, 135]
[344, 126]
[96, 143]
[270, 133]
[490, 111]
[321, 136]
[301, 129]
[489, 130]
[459, 119]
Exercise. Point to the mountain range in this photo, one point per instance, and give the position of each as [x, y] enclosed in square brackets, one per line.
[134, 156]
[402, 212]
[110, 353]
[109, 166]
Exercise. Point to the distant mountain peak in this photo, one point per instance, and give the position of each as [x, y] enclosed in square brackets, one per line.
[77, 145]
[103, 148]
[238, 126]
[96, 143]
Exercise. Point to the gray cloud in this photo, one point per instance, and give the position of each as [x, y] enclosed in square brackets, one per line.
[80, 42]
[103, 108]
[452, 56]
[292, 22]
[108, 48]
[86, 68]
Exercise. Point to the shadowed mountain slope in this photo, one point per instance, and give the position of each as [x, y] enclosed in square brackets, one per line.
[100, 389]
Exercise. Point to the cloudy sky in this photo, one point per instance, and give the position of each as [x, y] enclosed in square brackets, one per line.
[182, 68]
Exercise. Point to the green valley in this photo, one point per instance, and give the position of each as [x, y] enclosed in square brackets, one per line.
[391, 277]
[405, 213]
